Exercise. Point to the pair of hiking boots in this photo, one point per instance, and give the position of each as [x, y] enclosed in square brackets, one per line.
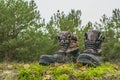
[87, 57]
[69, 52]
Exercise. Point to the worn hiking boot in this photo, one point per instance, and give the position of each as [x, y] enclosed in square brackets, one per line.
[89, 58]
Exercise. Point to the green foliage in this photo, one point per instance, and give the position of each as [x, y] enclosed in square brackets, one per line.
[32, 72]
[112, 53]
[62, 77]
[61, 70]
[89, 73]
[16, 17]
[68, 22]
[35, 44]
[68, 72]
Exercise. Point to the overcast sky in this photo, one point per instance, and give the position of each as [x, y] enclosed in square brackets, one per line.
[92, 10]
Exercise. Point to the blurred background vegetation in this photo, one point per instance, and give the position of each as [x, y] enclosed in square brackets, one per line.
[24, 34]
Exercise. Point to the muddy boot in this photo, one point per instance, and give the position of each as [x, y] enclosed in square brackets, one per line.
[68, 49]
[89, 58]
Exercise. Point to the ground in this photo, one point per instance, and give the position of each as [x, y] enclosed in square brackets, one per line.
[71, 71]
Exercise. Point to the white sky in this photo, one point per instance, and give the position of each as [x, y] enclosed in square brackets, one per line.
[92, 10]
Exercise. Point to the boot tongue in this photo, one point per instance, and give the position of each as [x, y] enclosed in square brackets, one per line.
[92, 35]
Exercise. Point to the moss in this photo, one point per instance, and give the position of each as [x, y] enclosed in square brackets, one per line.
[70, 71]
